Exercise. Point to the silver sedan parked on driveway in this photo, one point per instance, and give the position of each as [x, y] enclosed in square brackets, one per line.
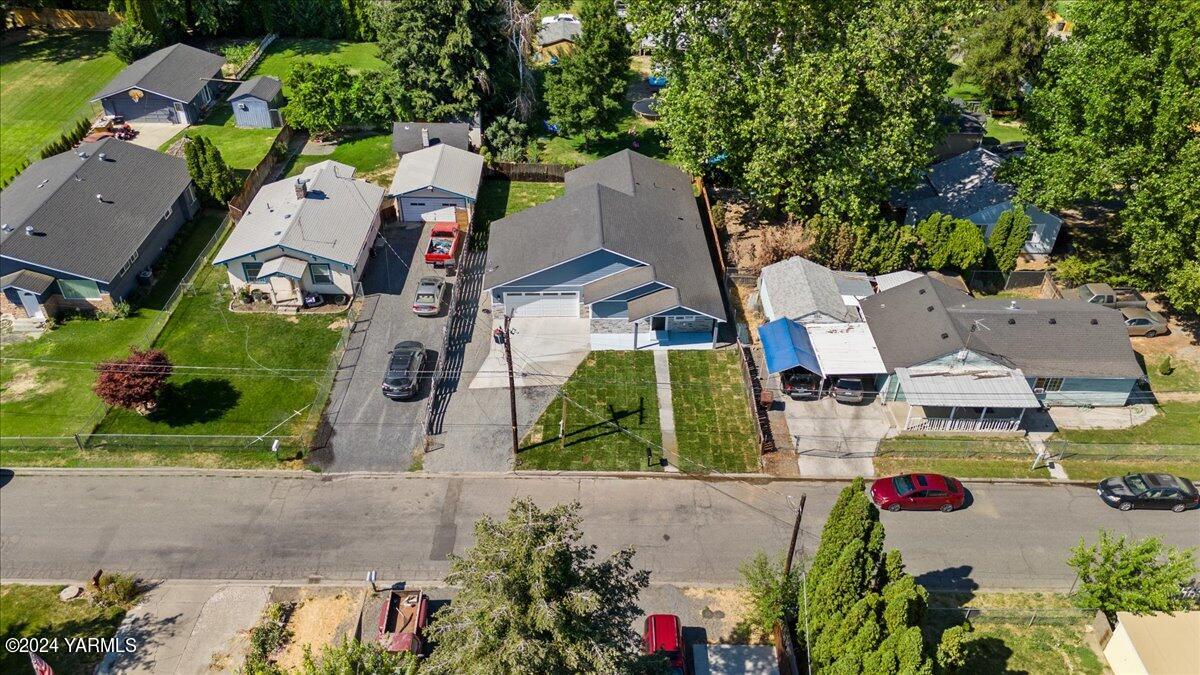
[1142, 322]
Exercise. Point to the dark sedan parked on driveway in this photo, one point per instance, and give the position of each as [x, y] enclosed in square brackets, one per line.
[404, 368]
[1149, 491]
[918, 492]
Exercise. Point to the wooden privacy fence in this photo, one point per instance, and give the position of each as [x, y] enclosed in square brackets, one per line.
[23, 17]
[525, 171]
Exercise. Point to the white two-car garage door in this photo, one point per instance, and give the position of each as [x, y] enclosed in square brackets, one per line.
[547, 303]
[413, 209]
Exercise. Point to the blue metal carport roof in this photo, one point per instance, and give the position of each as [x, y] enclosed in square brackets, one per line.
[786, 345]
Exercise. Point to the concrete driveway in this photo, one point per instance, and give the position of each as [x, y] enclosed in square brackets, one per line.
[154, 134]
[835, 440]
[542, 346]
[370, 431]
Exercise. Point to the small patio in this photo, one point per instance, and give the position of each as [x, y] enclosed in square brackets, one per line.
[960, 398]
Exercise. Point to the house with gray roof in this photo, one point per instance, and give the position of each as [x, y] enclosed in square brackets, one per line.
[310, 234]
[78, 227]
[256, 103]
[174, 84]
[435, 182]
[624, 248]
[557, 35]
[805, 292]
[963, 364]
[412, 136]
[965, 186]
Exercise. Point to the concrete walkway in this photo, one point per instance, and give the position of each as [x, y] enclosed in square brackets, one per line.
[666, 408]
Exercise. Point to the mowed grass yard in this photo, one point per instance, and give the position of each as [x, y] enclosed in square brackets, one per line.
[609, 389]
[285, 53]
[958, 456]
[499, 198]
[56, 399]
[1168, 443]
[242, 149]
[713, 426]
[370, 155]
[45, 85]
[36, 611]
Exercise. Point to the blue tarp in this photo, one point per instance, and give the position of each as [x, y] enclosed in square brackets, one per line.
[786, 345]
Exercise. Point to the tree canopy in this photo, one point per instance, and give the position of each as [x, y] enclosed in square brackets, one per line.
[1117, 575]
[812, 105]
[1113, 115]
[213, 177]
[134, 382]
[1004, 48]
[585, 94]
[863, 612]
[534, 600]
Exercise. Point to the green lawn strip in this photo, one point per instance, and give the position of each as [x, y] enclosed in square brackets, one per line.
[45, 86]
[124, 457]
[498, 198]
[713, 427]
[958, 456]
[242, 149]
[1184, 377]
[1005, 640]
[1005, 131]
[248, 401]
[607, 385]
[285, 53]
[1100, 469]
[371, 156]
[187, 245]
[36, 611]
[1176, 424]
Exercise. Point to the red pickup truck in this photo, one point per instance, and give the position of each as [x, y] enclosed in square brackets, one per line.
[444, 242]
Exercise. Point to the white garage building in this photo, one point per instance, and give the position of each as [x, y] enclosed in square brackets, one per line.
[433, 179]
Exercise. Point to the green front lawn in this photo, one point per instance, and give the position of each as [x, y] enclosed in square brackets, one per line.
[1176, 424]
[499, 198]
[1184, 377]
[242, 149]
[252, 370]
[36, 611]
[45, 84]
[608, 388]
[713, 427]
[1005, 131]
[56, 399]
[1168, 443]
[74, 458]
[959, 456]
[371, 156]
[285, 53]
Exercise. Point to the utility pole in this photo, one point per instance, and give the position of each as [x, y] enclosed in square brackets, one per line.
[787, 565]
[512, 389]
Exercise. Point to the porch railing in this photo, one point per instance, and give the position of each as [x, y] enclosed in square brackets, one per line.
[965, 424]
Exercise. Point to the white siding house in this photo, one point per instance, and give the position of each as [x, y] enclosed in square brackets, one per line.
[434, 179]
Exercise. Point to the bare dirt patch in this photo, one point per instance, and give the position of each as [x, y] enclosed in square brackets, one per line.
[729, 606]
[26, 380]
[338, 324]
[1183, 342]
[319, 620]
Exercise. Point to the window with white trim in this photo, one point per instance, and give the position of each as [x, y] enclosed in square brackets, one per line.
[320, 273]
[250, 270]
[129, 263]
[1048, 383]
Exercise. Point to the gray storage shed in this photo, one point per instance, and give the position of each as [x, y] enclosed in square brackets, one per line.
[256, 103]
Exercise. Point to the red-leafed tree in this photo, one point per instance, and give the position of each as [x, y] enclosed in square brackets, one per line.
[134, 382]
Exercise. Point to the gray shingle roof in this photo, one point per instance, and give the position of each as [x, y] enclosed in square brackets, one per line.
[910, 320]
[559, 31]
[178, 72]
[441, 166]
[406, 136]
[615, 284]
[798, 287]
[74, 231]
[627, 203]
[263, 87]
[27, 280]
[333, 221]
[653, 303]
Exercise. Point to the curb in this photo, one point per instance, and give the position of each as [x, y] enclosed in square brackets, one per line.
[753, 478]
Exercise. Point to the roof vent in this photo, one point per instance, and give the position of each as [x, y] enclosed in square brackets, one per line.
[99, 197]
[929, 308]
[103, 157]
[1053, 321]
[47, 180]
[6, 227]
[278, 232]
[1095, 322]
[1012, 304]
[81, 154]
[945, 335]
[920, 291]
[28, 230]
[1012, 322]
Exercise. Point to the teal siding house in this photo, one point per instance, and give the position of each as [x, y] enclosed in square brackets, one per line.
[957, 363]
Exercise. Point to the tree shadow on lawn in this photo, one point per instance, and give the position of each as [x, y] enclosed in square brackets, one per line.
[574, 437]
[58, 47]
[195, 402]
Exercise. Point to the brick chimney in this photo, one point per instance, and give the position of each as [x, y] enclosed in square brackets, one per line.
[301, 188]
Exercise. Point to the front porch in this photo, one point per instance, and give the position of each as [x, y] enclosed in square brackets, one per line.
[960, 398]
[915, 418]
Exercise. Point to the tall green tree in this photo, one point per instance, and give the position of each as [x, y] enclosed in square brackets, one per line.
[143, 13]
[213, 178]
[534, 600]
[444, 53]
[586, 92]
[1117, 575]
[1004, 48]
[947, 242]
[1008, 238]
[774, 596]
[814, 105]
[1112, 116]
[862, 612]
[320, 97]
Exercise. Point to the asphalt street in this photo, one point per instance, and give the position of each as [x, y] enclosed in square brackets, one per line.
[309, 526]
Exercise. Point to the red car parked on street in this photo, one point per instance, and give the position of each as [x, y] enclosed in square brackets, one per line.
[664, 632]
[918, 492]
